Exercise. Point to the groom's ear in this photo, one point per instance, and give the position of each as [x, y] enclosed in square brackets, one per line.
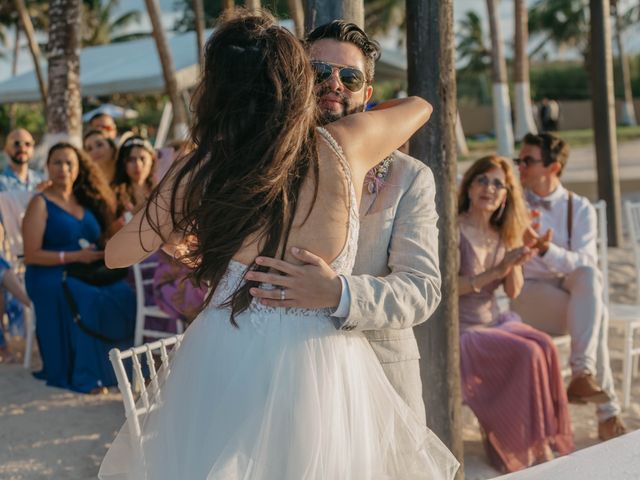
[368, 92]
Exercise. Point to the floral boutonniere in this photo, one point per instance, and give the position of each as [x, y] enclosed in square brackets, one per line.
[376, 176]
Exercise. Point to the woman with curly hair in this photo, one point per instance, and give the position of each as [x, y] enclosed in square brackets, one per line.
[510, 372]
[67, 224]
[133, 179]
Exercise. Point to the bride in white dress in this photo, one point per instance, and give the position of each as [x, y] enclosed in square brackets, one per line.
[260, 393]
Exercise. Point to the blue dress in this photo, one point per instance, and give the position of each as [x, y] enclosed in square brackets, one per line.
[71, 358]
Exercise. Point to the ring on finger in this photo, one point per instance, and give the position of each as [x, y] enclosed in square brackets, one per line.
[283, 294]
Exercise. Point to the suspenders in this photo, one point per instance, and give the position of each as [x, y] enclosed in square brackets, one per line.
[569, 217]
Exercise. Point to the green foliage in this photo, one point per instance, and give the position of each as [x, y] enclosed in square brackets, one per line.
[213, 8]
[564, 23]
[471, 49]
[99, 26]
[559, 81]
[29, 116]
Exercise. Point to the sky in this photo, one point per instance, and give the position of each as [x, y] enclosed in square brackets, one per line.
[632, 39]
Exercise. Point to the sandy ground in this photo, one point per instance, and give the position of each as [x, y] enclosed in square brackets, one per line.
[47, 433]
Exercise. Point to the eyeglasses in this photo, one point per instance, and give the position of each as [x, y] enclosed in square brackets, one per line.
[19, 143]
[486, 182]
[527, 161]
[352, 78]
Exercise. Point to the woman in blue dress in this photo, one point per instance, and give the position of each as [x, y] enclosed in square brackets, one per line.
[68, 223]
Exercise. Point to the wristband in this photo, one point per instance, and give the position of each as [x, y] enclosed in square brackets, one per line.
[61, 257]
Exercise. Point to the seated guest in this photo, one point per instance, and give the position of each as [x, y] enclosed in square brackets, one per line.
[563, 286]
[102, 150]
[77, 322]
[17, 175]
[510, 371]
[133, 180]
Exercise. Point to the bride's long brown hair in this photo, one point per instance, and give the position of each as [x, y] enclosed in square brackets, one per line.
[254, 136]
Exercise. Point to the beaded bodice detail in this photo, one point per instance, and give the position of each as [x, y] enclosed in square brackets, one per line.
[342, 264]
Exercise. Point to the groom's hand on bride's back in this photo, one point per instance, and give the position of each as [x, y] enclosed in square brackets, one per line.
[311, 285]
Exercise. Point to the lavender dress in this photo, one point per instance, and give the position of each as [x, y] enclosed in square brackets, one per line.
[510, 376]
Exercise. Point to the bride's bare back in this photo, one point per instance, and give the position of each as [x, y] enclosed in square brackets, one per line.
[364, 139]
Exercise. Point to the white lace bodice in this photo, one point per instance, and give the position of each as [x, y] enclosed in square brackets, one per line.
[342, 264]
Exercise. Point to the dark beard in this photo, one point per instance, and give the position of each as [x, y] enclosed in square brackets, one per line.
[18, 161]
[329, 117]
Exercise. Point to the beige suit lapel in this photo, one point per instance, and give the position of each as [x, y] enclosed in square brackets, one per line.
[366, 201]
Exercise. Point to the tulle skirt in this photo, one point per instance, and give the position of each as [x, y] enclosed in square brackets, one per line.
[286, 396]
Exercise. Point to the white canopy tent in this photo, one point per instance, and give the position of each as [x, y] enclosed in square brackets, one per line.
[134, 67]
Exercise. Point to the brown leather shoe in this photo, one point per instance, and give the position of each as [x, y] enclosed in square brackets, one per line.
[584, 389]
[611, 428]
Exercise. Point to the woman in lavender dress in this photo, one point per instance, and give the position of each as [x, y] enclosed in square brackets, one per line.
[510, 372]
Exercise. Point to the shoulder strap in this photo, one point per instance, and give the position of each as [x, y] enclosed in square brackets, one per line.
[337, 150]
[569, 217]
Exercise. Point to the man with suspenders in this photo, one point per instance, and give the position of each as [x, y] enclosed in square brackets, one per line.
[563, 286]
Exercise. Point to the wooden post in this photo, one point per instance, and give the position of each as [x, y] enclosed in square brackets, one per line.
[319, 12]
[604, 117]
[198, 13]
[431, 75]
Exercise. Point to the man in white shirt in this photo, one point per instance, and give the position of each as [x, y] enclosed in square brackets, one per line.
[563, 285]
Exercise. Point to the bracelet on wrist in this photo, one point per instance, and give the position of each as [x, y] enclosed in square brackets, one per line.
[61, 257]
[472, 283]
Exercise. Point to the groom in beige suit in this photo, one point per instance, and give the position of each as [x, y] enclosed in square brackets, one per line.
[395, 283]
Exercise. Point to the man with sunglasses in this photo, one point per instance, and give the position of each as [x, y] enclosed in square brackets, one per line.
[17, 175]
[562, 292]
[395, 283]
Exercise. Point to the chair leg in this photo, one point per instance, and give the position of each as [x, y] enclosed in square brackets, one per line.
[627, 366]
[30, 330]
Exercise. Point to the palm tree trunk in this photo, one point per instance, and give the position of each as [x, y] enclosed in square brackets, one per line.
[297, 14]
[198, 10]
[252, 4]
[628, 111]
[27, 26]
[523, 111]
[64, 107]
[501, 102]
[319, 12]
[168, 70]
[603, 106]
[14, 71]
[228, 5]
[431, 75]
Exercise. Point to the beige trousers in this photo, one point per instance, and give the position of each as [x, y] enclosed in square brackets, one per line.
[573, 304]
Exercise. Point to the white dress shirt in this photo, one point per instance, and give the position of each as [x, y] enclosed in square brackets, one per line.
[561, 259]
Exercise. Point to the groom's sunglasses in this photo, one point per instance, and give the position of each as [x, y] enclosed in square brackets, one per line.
[352, 78]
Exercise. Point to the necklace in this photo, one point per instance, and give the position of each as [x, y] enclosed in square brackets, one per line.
[376, 176]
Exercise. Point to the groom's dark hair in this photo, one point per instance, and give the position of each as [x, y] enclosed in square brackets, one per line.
[351, 33]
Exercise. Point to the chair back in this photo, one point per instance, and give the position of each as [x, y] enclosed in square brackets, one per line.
[603, 243]
[139, 363]
[632, 210]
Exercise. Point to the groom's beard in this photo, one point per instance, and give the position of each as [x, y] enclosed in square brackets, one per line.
[329, 116]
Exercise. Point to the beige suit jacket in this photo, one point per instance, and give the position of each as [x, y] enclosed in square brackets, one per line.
[395, 283]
